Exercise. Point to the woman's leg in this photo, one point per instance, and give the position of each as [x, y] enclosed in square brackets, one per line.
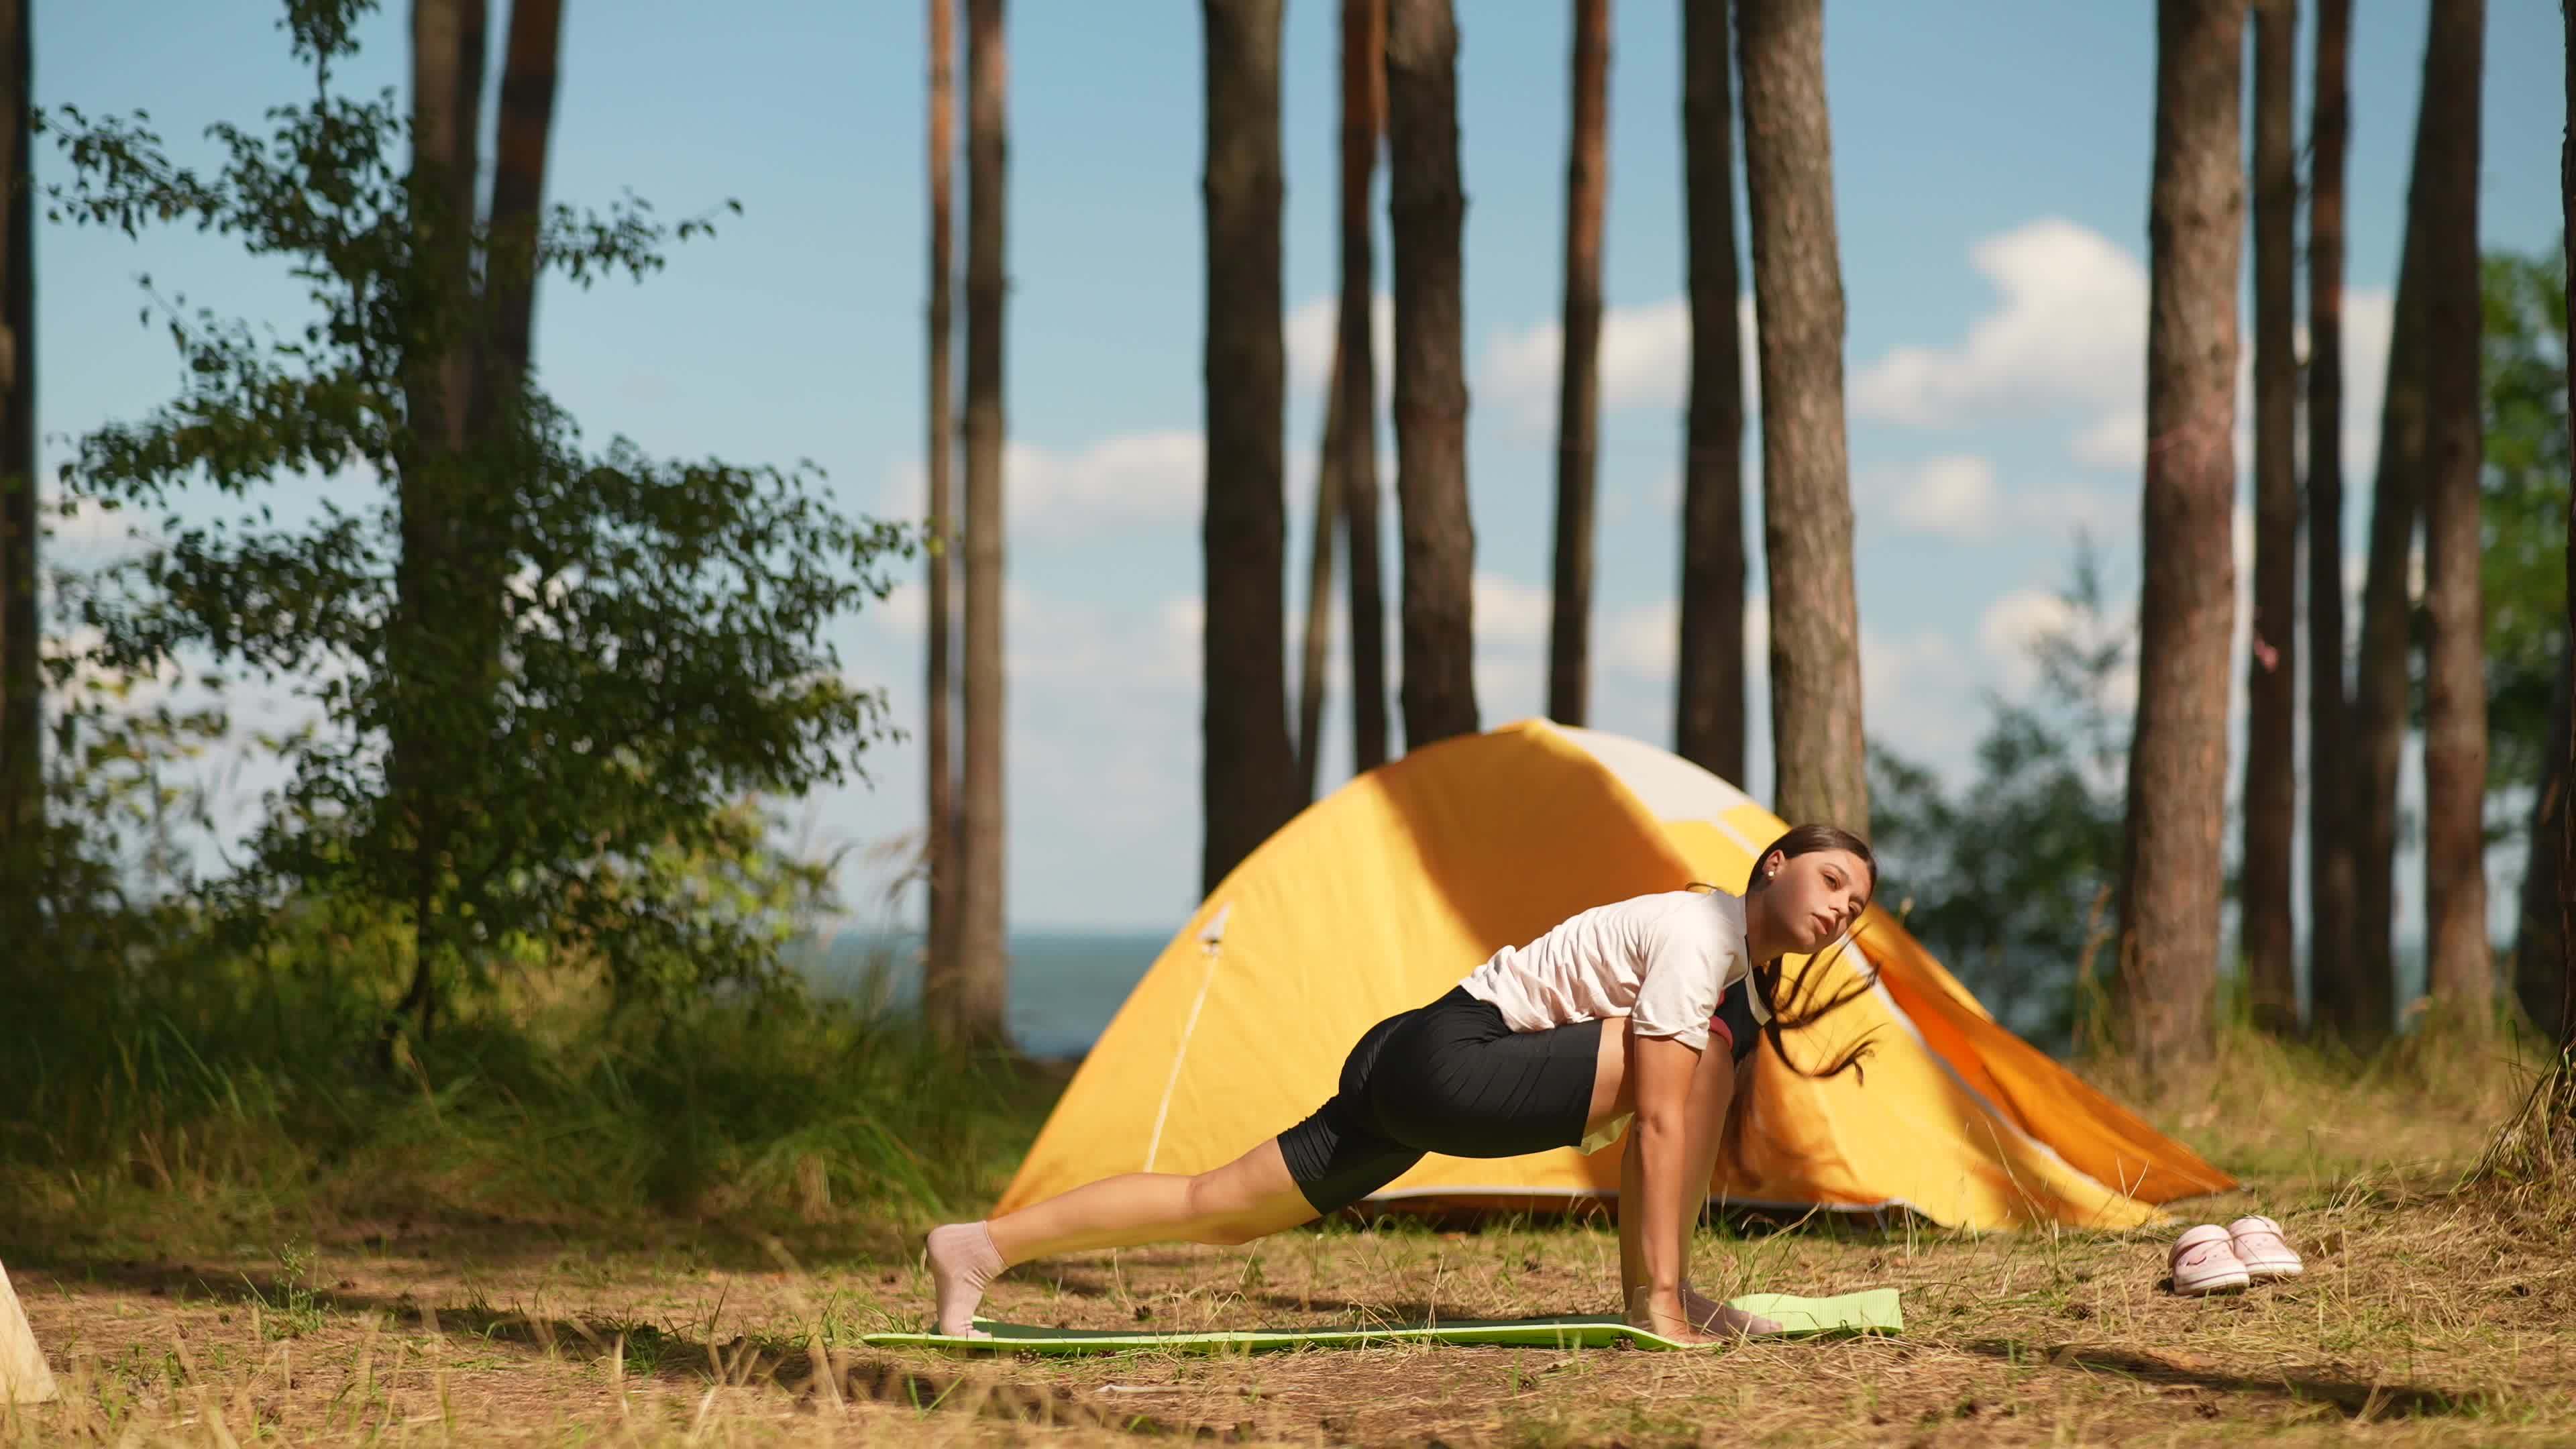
[1250, 1197]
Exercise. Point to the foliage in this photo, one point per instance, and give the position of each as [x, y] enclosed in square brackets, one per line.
[2523, 510]
[2009, 881]
[211, 1083]
[657, 627]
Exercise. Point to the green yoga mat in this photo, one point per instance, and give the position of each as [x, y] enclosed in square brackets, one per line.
[1874, 1311]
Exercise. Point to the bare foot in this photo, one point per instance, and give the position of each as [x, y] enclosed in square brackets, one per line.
[962, 1261]
[1724, 1320]
[1667, 1318]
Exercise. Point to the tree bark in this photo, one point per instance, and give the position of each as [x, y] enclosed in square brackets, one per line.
[1316, 644]
[520, 149]
[2567, 817]
[2379, 688]
[1425, 212]
[2169, 898]
[1363, 81]
[1806, 474]
[939, 981]
[2538, 951]
[1708, 699]
[2271, 791]
[441, 628]
[1578, 401]
[2330, 846]
[22, 792]
[1249, 771]
[983, 961]
[2461, 961]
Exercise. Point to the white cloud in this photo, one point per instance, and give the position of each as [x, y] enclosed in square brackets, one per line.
[1153, 477]
[1511, 616]
[1950, 497]
[1645, 361]
[2012, 625]
[1315, 325]
[2071, 328]
[2069, 333]
[1644, 641]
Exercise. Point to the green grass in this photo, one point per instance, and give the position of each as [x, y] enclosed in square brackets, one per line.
[234, 1105]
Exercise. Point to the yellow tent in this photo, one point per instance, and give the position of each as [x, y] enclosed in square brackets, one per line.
[1386, 894]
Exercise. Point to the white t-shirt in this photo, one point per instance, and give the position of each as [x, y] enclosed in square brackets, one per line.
[1662, 960]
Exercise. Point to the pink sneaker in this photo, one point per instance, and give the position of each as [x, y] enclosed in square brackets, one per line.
[2258, 1244]
[2205, 1262]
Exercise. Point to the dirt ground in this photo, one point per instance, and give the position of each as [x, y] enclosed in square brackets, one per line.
[2425, 1316]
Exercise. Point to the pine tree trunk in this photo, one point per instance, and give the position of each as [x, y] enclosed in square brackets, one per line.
[1249, 769]
[2462, 963]
[1708, 696]
[983, 962]
[1578, 402]
[2330, 847]
[22, 797]
[1363, 80]
[1316, 644]
[2567, 816]
[520, 149]
[1806, 475]
[440, 627]
[2169, 900]
[2379, 704]
[1425, 211]
[2271, 791]
[939, 457]
[2538, 953]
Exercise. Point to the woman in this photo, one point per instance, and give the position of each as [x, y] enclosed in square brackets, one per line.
[1554, 1044]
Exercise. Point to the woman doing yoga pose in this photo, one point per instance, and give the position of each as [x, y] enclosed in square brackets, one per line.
[1557, 1043]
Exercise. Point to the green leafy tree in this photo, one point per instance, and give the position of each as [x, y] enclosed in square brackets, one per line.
[2523, 510]
[2009, 881]
[659, 652]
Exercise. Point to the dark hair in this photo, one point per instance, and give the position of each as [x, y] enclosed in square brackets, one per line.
[1797, 1008]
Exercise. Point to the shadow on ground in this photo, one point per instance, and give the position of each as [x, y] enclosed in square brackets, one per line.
[2354, 1399]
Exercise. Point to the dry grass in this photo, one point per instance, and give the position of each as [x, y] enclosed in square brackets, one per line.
[2431, 1312]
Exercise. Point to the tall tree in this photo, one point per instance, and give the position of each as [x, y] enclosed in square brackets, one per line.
[21, 728]
[1806, 473]
[522, 142]
[2330, 845]
[1708, 697]
[1425, 212]
[447, 629]
[983, 962]
[2378, 721]
[2169, 896]
[1355, 375]
[2445, 205]
[2539, 953]
[1315, 645]
[1249, 771]
[939, 458]
[1578, 399]
[2271, 791]
[2522, 506]
[2567, 816]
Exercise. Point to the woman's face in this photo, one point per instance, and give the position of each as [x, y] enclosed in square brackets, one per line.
[1816, 897]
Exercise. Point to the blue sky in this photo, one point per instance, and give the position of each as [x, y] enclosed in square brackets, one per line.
[1991, 172]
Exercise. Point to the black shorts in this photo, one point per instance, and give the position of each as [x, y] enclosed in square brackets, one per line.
[1453, 1078]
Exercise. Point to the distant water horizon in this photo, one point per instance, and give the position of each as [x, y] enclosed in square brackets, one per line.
[1065, 984]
